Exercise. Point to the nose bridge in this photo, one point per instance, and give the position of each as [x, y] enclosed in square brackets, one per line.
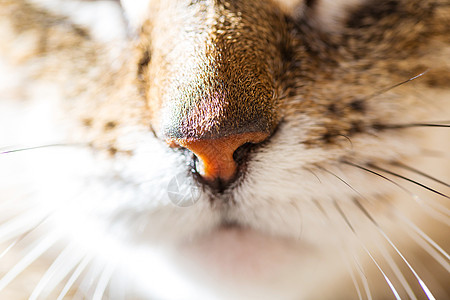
[227, 103]
[220, 79]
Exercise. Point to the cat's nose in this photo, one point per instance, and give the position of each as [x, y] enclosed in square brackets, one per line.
[215, 156]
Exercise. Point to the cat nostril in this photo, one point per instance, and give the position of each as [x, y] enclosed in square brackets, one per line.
[241, 152]
[218, 157]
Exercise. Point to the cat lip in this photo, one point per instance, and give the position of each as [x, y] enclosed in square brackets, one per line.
[230, 225]
[243, 246]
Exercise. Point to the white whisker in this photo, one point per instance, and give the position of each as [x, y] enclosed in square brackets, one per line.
[386, 278]
[63, 264]
[425, 236]
[28, 259]
[435, 213]
[398, 273]
[342, 250]
[20, 238]
[416, 171]
[118, 288]
[21, 225]
[10, 246]
[364, 279]
[85, 289]
[409, 180]
[103, 282]
[380, 230]
[430, 250]
[14, 149]
[343, 181]
[75, 275]
[350, 271]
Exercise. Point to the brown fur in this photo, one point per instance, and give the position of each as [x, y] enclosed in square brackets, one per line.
[251, 83]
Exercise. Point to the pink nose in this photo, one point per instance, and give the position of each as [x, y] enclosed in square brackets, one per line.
[216, 155]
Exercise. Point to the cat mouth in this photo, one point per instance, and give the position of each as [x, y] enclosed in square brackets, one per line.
[231, 225]
[232, 248]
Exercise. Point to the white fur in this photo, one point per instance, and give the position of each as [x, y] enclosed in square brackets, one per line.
[119, 212]
[116, 216]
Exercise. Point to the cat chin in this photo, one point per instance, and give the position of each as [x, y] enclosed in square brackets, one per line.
[223, 263]
[242, 252]
[229, 262]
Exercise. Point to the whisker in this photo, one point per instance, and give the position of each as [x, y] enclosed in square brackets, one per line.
[86, 287]
[422, 239]
[315, 175]
[382, 91]
[40, 147]
[401, 165]
[407, 179]
[381, 231]
[342, 180]
[21, 225]
[435, 213]
[398, 273]
[21, 237]
[103, 281]
[117, 288]
[10, 246]
[343, 251]
[352, 276]
[374, 173]
[348, 139]
[345, 258]
[75, 275]
[366, 213]
[27, 260]
[424, 236]
[430, 250]
[364, 280]
[63, 264]
[409, 125]
[386, 278]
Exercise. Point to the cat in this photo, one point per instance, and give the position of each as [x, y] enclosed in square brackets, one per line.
[213, 149]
